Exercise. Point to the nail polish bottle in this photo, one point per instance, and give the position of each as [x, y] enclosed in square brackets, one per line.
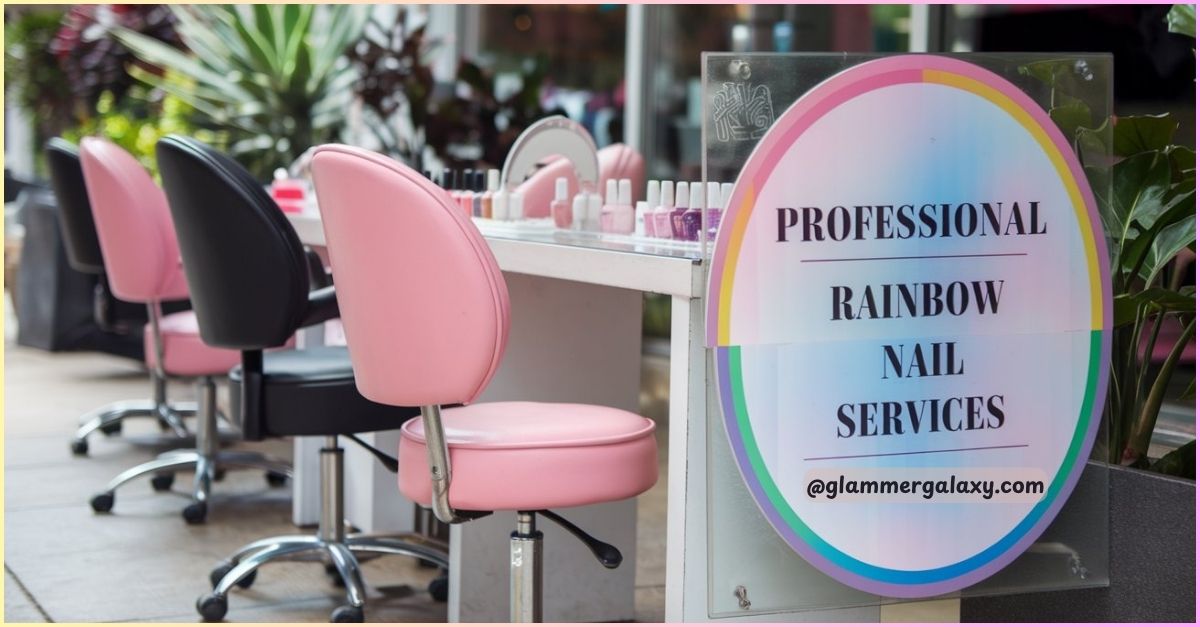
[610, 203]
[516, 205]
[623, 220]
[713, 210]
[617, 214]
[500, 202]
[477, 197]
[493, 184]
[464, 190]
[465, 193]
[645, 218]
[579, 206]
[450, 182]
[693, 218]
[662, 213]
[595, 205]
[681, 207]
[560, 207]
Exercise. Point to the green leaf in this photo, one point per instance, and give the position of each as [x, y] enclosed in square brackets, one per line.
[159, 54]
[259, 47]
[1182, 19]
[1138, 186]
[1134, 256]
[264, 25]
[1126, 306]
[298, 30]
[1070, 117]
[1170, 242]
[302, 72]
[1139, 133]
[1094, 144]
[1049, 71]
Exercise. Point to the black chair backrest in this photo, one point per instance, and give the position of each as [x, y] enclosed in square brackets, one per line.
[74, 209]
[245, 266]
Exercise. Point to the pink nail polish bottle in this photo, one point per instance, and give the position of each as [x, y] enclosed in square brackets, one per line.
[465, 197]
[610, 204]
[713, 210]
[662, 213]
[560, 208]
[617, 215]
[652, 198]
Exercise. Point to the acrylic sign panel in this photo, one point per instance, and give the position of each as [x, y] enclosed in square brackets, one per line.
[910, 311]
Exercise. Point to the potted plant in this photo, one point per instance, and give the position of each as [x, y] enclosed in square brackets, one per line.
[1145, 186]
[269, 81]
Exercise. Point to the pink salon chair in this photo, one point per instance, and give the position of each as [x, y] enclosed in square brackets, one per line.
[251, 290]
[141, 256]
[426, 316]
[82, 246]
[617, 161]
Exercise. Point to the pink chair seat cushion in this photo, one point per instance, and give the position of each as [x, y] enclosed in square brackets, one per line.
[184, 353]
[528, 456]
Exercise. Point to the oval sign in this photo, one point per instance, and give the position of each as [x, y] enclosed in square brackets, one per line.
[910, 309]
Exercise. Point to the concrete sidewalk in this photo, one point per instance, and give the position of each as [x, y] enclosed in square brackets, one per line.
[142, 562]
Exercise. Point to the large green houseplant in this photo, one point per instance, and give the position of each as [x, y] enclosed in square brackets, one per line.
[1145, 186]
[270, 79]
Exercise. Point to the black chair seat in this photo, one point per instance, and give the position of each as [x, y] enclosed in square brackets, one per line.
[311, 392]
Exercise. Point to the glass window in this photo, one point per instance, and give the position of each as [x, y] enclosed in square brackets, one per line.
[678, 34]
[576, 51]
[1154, 70]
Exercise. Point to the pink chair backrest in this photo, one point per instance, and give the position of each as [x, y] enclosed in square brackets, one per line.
[133, 224]
[617, 161]
[422, 300]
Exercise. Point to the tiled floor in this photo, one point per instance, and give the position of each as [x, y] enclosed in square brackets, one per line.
[143, 563]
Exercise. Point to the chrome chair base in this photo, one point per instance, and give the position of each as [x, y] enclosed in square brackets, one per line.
[207, 469]
[109, 419]
[170, 416]
[206, 461]
[331, 545]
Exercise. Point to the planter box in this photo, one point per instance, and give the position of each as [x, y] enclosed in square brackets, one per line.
[56, 304]
[1152, 562]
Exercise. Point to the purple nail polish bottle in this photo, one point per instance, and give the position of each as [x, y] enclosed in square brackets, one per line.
[681, 207]
[693, 219]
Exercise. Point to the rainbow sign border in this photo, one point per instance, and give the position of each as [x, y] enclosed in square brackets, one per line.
[863, 78]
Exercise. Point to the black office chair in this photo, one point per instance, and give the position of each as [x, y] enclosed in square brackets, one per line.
[83, 254]
[248, 276]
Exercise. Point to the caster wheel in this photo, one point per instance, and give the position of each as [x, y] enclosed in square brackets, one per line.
[111, 429]
[223, 569]
[195, 513]
[162, 483]
[439, 588]
[79, 447]
[102, 503]
[276, 479]
[219, 474]
[212, 607]
[347, 614]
